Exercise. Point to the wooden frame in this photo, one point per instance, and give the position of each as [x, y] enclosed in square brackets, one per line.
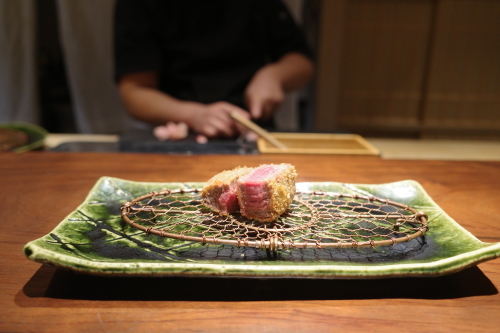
[319, 143]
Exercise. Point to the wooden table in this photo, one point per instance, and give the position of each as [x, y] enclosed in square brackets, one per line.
[39, 189]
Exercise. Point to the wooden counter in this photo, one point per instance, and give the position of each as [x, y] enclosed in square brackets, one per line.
[37, 190]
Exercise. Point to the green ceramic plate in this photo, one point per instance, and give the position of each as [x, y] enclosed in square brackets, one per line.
[36, 135]
[94, 239]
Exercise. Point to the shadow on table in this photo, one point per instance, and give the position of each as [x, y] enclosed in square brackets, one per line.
[52, 283]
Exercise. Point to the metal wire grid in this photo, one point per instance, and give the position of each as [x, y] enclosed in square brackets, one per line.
[314, 220]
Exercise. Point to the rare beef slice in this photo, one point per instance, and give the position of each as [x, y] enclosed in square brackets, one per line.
[220, 192]
[267, 191]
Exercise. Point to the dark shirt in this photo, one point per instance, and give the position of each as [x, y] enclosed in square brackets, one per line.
[203, 50]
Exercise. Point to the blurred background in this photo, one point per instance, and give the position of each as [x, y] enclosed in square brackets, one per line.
[425, 69]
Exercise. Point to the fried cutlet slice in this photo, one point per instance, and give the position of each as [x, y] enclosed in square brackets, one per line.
[220, 192]
[267, 191]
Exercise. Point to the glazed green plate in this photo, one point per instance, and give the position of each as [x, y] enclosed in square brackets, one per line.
[94, 239]
[36, 135]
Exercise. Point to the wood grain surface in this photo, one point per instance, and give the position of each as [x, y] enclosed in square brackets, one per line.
[37, 190]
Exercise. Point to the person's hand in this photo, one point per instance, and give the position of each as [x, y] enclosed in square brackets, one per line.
[175, 131]
[171, 131]
[264, 94]
[214, 120]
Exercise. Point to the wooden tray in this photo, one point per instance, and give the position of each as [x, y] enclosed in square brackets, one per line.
[313, 143]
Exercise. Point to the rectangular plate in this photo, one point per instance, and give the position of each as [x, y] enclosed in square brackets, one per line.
[318, 143]
[94, 239]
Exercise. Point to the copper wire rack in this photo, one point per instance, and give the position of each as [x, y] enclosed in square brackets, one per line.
[315, 219]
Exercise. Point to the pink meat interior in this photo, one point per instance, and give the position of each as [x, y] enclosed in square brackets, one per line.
[262, 174]
[228, 201]
[256, 194]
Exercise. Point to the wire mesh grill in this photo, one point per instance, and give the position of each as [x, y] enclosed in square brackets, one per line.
[315, 219]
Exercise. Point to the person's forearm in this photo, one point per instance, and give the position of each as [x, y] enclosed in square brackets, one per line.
[293, 70]
[268, 86]
[145, 102]
[155, 107]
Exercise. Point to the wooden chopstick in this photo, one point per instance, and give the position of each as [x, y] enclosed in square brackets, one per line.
[257, 129]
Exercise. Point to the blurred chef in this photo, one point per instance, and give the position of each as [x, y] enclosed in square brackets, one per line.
[187, 65]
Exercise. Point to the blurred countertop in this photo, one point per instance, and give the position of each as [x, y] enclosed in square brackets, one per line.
[389, 148]
[437, 149]
[54, 140]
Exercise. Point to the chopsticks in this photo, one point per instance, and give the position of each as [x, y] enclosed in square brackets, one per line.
[257, 129]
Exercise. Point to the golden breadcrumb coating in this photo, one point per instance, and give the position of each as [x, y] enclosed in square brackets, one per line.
[282, 191]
